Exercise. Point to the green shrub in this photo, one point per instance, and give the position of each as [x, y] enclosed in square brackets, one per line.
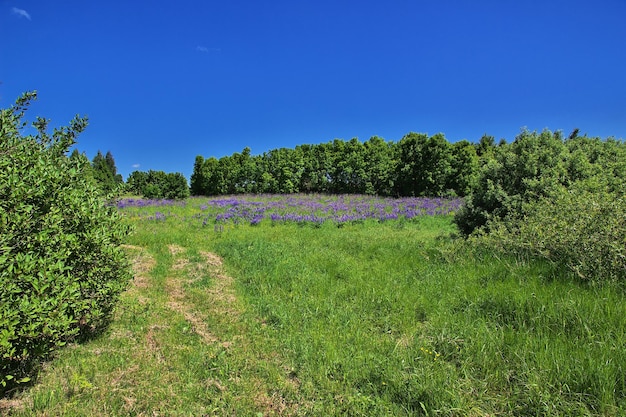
[175, 186]
[535, 166]
[561, 200]
[518, 173]
[581, 228]
[61, 267]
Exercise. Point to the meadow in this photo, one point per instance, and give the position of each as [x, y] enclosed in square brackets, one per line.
[336, 305]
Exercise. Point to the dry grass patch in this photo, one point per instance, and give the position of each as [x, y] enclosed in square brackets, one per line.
[222, 292]
[176, 293]
[9, 404]
[142, 264]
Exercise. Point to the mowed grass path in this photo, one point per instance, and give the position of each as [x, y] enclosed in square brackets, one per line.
[177, 346]
[365, 319]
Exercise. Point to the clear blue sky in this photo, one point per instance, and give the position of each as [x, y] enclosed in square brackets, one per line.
[163, 81]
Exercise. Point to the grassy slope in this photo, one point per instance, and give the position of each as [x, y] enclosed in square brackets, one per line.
[367, 319]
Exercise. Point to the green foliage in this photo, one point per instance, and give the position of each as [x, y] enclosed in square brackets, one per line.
[136, 182]
[317, 165]
[280, 172]
[158, 184]
[416, 166]
[465, 167]
[348, 168]
[560, 200]
[61, 268]
[485, 146]
[409, 151]
[518, 173]
[199, 178]
[581, 229]
[379, 167]
[105, 173]
[431, 166]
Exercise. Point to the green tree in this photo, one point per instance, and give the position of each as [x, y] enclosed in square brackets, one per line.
[347, 168]
[243, 173]
[282, 170]
[380, 166]
[485, 146]
[175, 186]
[199, 180]
[211, 174]
[205, 177]
[465, 166]
[316, 168]
[104, 172]
[136, 182]
[117, 178]
[435, 166]
[158, 184]
[410, 151]
[225, 175]
[353, 167]
[61, 266]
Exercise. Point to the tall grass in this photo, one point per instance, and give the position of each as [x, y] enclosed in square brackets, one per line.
[357, 318]
[394, 322]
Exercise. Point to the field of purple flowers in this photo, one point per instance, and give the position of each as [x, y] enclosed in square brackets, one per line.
[300, 208]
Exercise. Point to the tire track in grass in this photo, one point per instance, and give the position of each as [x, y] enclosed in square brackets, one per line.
[142, 367]
[222, 291]
[142, 263]
[220, 308]
[146, 349]
[176, 297]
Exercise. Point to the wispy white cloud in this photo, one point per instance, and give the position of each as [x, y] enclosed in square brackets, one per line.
[206, 50]
[136, 165]
[21, 12]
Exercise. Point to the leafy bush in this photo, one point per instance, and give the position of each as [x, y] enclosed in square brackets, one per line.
[561, 200]
[518, 173]
[61, 267]
[136, 182]
[581, 228]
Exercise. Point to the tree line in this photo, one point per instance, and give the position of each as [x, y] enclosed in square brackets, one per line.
[151, 184]
[417, 165]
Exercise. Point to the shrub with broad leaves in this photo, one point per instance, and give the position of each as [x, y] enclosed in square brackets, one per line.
[61, 264]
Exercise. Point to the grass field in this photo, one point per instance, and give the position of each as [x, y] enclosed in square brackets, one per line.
[261, 313]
